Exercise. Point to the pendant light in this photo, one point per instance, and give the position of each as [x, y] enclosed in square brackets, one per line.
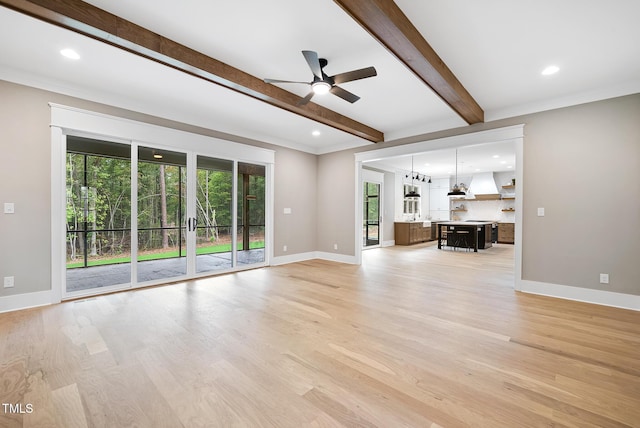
[455, 191]
[412, 193]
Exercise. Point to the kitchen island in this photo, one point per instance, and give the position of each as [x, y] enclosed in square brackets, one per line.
[465, 234]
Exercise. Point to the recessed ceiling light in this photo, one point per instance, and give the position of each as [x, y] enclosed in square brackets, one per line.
[477, 169]
[509, 166]
[552, 69]
[503, 162]
[69, 53]
[496, 156]
[427, 164]
[315, 133]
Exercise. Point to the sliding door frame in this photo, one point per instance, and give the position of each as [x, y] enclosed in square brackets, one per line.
[82, 123]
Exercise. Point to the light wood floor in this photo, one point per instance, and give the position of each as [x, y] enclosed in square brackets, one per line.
[415, 337]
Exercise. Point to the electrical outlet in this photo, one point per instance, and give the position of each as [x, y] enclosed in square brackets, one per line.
[284, 248]
[8, 281]
[604, 278]
[335, 246]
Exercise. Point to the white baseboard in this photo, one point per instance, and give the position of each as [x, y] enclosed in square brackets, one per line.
[334, 257]
[301, 257]
[293, 258]
[588, 295]
[388, 243]
[25, 301]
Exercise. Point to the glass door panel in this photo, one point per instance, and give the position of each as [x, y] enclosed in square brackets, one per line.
[162, 183]
[186, 211]
[214, 214]
[98, 214]
[371, 221]
[251, 214]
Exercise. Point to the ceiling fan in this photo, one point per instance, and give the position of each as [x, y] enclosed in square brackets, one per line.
[322, 83]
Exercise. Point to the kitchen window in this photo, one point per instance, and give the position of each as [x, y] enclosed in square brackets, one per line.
[411, 205]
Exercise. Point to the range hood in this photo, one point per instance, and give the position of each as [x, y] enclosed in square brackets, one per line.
[483, 186]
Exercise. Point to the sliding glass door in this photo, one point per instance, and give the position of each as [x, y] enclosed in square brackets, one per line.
[98, 214]
[141, 215]
[251, 214]
[162, 210]
[214, 214]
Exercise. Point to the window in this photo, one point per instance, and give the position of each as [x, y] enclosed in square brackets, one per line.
[411, 205]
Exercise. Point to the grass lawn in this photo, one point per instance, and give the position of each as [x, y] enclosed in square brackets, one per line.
[223, 248]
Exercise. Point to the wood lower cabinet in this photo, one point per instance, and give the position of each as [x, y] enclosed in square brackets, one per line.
[411, 233]
[506, 233]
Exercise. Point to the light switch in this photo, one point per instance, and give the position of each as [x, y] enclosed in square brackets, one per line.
[540, 212]
[287, 210]
[9, 208]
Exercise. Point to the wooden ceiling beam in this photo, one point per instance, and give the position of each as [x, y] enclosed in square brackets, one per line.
[88, 20]
[384, 20]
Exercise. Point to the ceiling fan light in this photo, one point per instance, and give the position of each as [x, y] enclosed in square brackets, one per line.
[321, 87]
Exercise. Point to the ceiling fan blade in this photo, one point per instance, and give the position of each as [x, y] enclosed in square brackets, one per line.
[282, 81]
[306, 99]
[314, 63]
[345, 95]
[349, 76]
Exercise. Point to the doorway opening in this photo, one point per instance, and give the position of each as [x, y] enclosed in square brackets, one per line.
[383, 160]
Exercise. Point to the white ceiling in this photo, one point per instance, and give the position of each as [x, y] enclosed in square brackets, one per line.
[496, 48]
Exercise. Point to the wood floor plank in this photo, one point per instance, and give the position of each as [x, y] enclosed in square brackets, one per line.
[414, 337]
[68, 405]
[41, 399]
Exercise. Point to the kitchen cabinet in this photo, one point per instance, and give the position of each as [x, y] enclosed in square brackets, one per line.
[506, 233]
[438, 199]
[408, 233]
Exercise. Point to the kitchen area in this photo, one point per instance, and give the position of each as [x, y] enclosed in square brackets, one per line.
[453, 220]
[467, 204]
